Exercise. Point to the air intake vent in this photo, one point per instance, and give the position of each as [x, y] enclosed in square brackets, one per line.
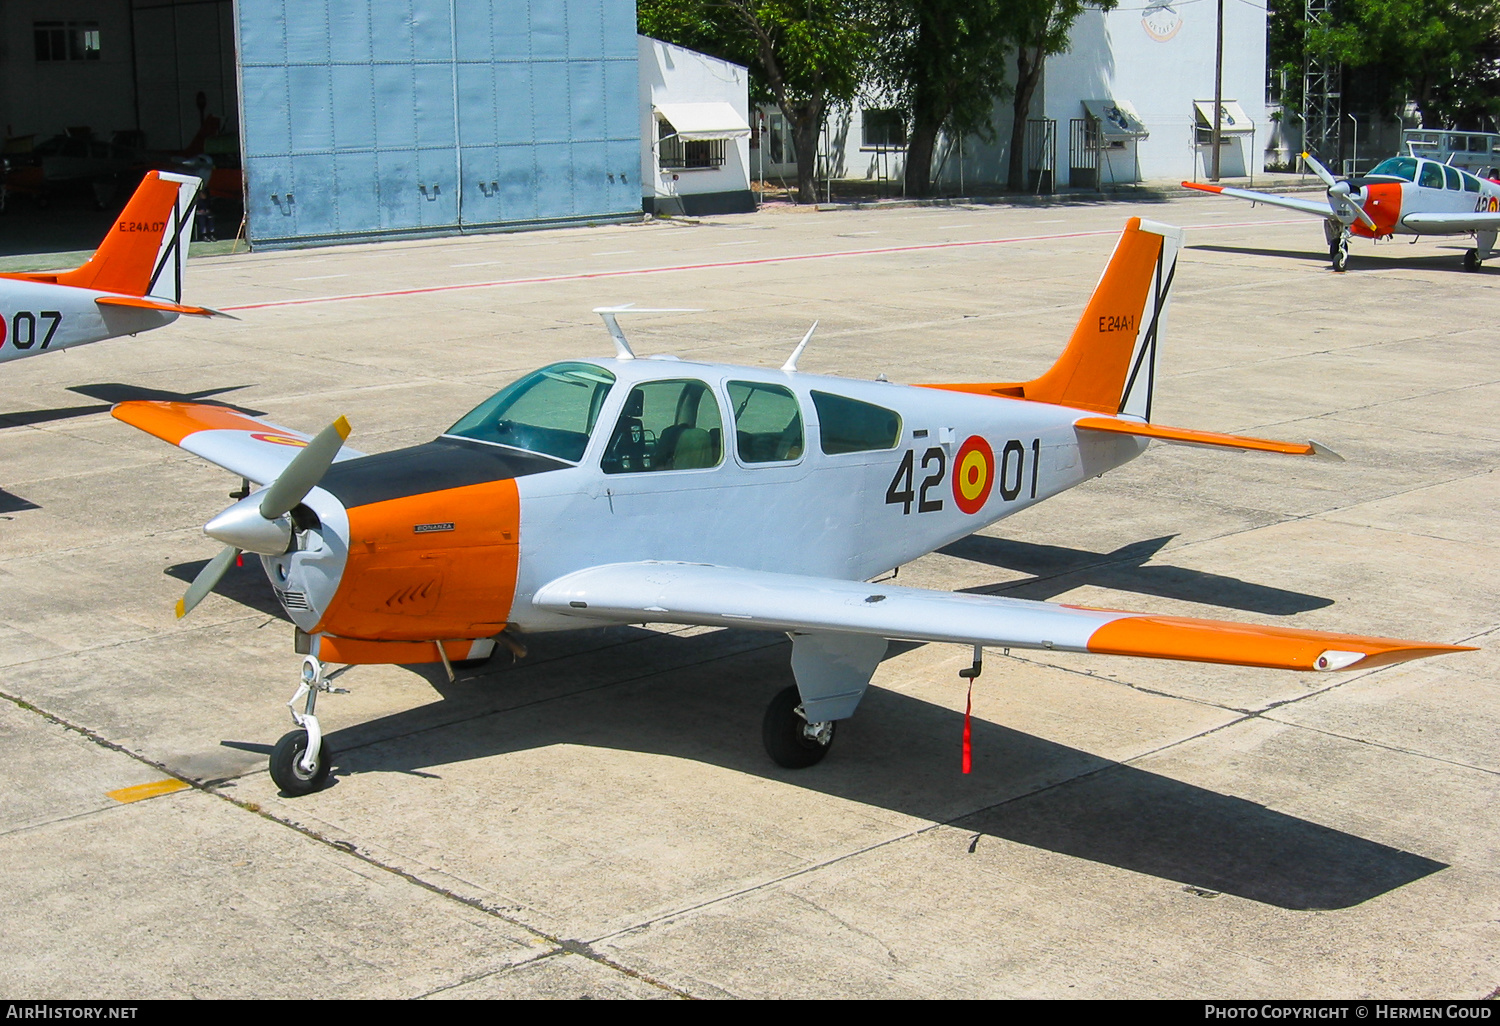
[292, 599]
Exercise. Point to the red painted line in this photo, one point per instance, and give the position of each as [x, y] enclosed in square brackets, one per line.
[591, 275]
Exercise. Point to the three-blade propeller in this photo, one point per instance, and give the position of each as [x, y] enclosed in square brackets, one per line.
[1338, 194]
[258, 522]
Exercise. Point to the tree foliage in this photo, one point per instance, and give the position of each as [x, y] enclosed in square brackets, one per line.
[803, 55]
[942, 64]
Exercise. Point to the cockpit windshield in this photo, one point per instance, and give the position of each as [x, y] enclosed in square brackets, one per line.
[1404, 168]
[550, 411]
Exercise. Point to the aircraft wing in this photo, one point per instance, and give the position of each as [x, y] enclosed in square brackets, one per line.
[1452, 224]
[1319, 208]
[254, 449]
[695, 593]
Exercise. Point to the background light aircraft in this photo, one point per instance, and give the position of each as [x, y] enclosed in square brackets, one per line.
[132, 283]
[1399, 196]
[622, 491]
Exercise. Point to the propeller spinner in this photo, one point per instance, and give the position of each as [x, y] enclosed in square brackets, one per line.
[258, 523]
[1339, 197]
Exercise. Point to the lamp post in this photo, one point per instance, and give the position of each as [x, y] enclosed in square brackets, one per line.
[1354, 164]
[1218, 89]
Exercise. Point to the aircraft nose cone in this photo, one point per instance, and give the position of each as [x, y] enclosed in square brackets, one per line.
[243, 526]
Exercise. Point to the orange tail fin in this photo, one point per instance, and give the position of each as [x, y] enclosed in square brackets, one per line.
[1109, 365]
[144, 251]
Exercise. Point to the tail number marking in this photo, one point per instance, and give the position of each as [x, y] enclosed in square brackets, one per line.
[975, 475]
[23, 328]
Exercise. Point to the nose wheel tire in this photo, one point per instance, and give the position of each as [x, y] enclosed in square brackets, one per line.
[286, 765]
[790, 740]
[1338, 254]
[1471, 260]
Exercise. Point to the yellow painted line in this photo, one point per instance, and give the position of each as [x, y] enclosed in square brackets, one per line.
[140, 792]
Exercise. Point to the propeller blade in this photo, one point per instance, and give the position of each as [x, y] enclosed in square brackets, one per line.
[1324, 175]
[305, 471]
[205, 581]
[1339, 194]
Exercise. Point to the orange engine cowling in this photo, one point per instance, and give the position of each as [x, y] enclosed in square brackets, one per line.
[1383, 204]
[439, 564]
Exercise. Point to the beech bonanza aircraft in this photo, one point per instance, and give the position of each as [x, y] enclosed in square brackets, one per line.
[626, 490]
[132, 283]
[1398, 196]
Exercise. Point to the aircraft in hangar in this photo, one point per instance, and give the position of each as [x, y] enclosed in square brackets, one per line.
[1398, 196]
[626, 490]
[132, 283]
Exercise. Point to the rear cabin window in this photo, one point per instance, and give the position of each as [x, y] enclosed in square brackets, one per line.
[1455, 182]
[1471, 184]
[848, 425]
[551, 411]
[767, 422]
[666, 425]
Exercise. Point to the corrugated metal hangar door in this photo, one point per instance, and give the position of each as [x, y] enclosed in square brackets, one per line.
[371, 118]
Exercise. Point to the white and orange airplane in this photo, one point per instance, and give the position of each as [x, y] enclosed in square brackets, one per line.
[627, 490]
[132, 283]
[1398, 196]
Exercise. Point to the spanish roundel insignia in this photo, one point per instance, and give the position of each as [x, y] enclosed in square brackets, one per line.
[973, 474]
[261, 436]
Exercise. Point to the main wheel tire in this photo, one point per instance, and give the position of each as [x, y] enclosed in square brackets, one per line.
[782, 731]
[1338, 255]
[286, 765]
[1471, 260]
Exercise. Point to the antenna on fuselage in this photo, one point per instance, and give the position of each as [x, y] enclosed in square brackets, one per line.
[791, 363]
[609, 313]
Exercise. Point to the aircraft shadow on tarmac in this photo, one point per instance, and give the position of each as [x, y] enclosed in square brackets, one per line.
[1376, 258]
[10, 503]
[109, 393]
[1055, 570]
[701, 697]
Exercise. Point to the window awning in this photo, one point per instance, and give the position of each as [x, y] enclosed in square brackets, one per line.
[1232, 119]
[1116, 120]
[695, 121]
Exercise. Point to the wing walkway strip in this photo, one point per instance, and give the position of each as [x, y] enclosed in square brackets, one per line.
[626, 272]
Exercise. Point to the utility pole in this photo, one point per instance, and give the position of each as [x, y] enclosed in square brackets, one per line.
[1218, 91]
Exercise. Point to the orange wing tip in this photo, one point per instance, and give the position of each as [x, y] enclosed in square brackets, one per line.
[1244, 644]
[1201, 187]
[181, 608]
[342, 427]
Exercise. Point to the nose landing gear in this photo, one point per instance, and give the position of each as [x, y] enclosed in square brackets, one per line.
[300, 761]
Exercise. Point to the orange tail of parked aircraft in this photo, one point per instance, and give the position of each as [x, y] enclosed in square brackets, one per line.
[1109, 365]
[144, 251]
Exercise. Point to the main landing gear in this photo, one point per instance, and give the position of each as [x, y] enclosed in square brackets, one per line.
[300, 760]
[791, 741]
[1472, 260]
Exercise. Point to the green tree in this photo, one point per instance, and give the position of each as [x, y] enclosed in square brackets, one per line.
[1039, 29]
[803, 55]
[1438, 54]
[943, 65]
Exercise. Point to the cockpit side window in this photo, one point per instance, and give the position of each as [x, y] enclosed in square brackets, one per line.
[550, 411]
[1397, 167]
[767, 422]
[1432, 175]
[666, 425]
[848, 425]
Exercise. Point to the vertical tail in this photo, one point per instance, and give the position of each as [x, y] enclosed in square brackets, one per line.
[144, 251]
[1109, 365]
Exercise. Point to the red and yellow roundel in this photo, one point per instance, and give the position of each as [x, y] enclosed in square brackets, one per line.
[973, 474]
[261, 436]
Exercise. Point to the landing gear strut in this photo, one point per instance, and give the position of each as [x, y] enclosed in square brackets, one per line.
[791, 741]
[1338, 252]
[300, 761]
[1472, 260]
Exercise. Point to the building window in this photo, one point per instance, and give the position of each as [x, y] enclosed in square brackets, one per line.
[678, 154]
[883, 129]
[66, 40]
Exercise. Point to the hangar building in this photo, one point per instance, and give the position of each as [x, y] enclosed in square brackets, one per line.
[351, 119]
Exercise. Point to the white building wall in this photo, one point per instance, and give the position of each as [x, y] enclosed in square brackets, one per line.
[675, 74]
[1159, 61]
